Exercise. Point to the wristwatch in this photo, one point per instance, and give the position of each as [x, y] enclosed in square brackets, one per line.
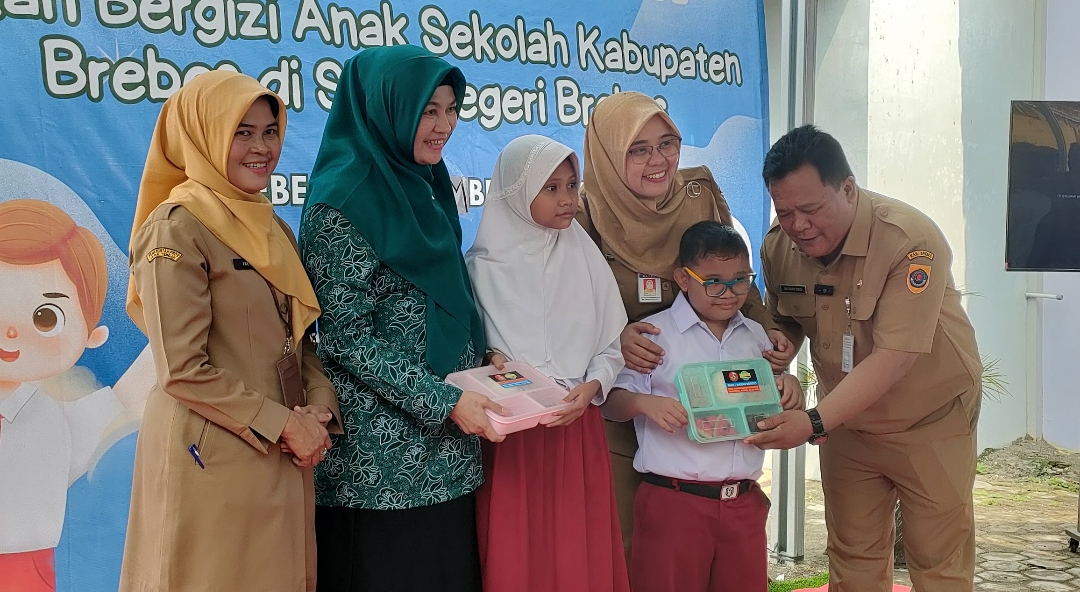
[820, 435]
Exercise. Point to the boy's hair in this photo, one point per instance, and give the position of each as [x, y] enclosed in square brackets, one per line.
[34, 232]
[807, 145]
[710, 239]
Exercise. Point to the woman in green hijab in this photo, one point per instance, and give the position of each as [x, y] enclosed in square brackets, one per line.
[381, 242]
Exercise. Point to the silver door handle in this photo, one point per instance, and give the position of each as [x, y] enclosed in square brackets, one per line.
[1034, 295]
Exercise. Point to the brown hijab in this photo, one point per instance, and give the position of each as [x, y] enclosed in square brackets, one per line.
[643, 234]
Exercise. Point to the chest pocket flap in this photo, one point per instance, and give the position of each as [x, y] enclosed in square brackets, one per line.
[796, 305]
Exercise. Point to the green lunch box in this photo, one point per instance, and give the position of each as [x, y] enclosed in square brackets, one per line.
[725, 400]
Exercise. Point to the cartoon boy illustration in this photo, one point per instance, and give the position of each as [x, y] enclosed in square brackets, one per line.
[53, 282]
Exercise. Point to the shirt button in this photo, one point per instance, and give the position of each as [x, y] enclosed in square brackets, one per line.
[824, 307]
[825, 345]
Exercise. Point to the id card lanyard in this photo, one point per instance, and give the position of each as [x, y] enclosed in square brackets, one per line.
[847, 356]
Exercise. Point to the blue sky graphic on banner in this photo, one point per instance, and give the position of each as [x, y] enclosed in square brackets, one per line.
[82, 84]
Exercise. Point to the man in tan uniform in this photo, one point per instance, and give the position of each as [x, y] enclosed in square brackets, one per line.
[867, 279]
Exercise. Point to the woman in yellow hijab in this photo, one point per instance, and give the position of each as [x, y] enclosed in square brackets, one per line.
[222, 495]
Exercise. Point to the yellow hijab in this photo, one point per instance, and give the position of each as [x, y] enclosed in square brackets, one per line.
[187, 165]
[643, 234]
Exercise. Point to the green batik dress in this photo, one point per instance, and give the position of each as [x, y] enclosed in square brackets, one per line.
[400, 449]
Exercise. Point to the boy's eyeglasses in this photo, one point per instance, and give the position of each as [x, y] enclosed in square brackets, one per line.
[667, 149]
[716, 288]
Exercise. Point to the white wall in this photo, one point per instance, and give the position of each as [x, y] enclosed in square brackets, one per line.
[918, 94]
[1061, 395]
[998, 57]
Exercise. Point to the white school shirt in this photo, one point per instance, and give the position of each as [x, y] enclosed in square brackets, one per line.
[604, 367]
[686, 339]
[45, 446]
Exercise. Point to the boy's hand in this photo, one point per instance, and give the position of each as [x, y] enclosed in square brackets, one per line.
[640, 353]
[791, 393]
[580, 398]
[665, 412]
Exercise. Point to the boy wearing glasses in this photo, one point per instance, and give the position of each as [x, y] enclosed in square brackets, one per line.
[691, 533]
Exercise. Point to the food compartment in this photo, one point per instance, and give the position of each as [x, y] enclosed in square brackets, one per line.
[755, 413]
[724, 423]
[697, 389]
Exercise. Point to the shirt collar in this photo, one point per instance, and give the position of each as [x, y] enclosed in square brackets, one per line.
[11, 406]
[684, 316]
[858, 239]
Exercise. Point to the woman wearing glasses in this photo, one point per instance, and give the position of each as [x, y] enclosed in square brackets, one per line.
[637, 204]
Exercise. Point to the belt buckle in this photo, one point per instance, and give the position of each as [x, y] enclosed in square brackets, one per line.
[729, 491]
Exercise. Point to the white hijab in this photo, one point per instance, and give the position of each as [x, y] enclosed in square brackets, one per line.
[547, 296]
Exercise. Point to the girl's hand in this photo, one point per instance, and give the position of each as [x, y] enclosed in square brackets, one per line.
[580, 398]
[665, 412]
[498, 360]
[791, 393]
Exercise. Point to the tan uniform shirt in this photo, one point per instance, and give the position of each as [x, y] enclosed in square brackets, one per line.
[627, 278]
[246, 520]
[894, 270]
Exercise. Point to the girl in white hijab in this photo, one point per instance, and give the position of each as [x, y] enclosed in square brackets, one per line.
[546, 514]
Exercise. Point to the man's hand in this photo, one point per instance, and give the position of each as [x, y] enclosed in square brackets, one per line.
[789, 429]
[580, 398]
[783, 351]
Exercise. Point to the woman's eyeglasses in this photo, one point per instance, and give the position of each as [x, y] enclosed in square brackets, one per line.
[716, 288]
[667, 149]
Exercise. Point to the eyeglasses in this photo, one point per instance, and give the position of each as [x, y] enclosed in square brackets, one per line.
[716, 288]
[667, 149]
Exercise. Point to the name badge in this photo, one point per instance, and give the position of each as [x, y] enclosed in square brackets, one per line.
[792, 289]
[648, 289]
[241, 264]
[847, 356]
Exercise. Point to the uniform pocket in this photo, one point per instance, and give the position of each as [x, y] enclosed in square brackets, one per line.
[796, 305]
[862, 307]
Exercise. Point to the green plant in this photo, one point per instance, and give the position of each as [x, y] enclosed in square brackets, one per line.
[993, 380]
[789, 585]
[980, 469]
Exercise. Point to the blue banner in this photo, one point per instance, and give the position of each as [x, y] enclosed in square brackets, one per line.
[82, 84]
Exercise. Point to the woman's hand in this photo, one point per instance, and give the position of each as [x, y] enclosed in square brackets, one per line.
[782, 353]
[469, 415]
[641, 354]
[305, 438]
[320, 412]
[579, 398]
[665, 412]
[791, 393]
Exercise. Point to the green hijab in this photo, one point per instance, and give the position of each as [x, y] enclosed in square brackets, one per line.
[406, 211]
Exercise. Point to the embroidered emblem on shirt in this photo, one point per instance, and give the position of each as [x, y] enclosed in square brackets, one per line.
[791, 289]
[918, 277]
[693, 189]
[916, 254]
[170, 254]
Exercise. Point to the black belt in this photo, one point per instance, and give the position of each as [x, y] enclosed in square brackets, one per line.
[723, 492]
